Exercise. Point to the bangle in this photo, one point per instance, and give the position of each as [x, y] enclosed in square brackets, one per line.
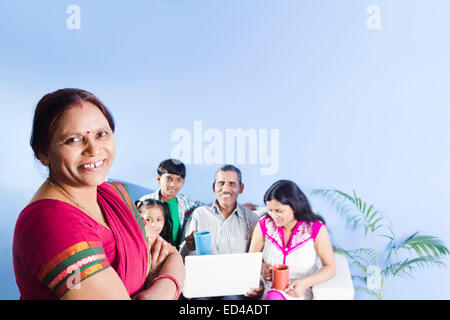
[168, 276]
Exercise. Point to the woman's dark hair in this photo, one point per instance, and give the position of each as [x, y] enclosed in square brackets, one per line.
[166, 232]
[51, 107]
[172, 166]
[288, 193]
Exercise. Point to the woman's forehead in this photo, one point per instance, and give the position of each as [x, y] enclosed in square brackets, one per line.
[81, 119]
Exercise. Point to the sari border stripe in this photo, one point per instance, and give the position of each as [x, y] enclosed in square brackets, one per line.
[78, 265]
[63, 255]
[71, 260]
[63, 286]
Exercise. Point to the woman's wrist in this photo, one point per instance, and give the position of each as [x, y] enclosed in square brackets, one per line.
[152, 275]
[302, 283]
[168, 278]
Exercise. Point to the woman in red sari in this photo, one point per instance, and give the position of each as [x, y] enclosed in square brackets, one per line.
[78, 238]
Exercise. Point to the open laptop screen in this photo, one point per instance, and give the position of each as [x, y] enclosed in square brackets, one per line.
[221, 274]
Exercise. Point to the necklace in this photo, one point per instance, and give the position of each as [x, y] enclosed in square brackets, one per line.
[67, 195]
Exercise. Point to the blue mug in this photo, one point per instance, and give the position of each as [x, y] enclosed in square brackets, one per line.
[202, 242]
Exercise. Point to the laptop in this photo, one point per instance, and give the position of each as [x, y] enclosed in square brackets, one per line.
[221, 274]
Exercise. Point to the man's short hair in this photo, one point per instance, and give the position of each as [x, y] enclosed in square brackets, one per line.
[229, 167]
[172, 166]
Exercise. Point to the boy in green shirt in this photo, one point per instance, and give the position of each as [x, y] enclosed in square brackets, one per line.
[171, 175]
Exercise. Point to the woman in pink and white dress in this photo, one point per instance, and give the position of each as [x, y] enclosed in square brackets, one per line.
[294, 235]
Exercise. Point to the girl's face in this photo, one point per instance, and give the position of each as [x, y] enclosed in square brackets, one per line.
[154, 217]
[282, 214]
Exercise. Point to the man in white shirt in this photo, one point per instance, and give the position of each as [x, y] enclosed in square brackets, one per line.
[230, 224]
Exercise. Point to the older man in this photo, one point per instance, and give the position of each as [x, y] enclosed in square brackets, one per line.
[230, 224]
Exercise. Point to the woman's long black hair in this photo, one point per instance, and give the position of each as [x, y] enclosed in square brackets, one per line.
[288, 193]
[166, 232]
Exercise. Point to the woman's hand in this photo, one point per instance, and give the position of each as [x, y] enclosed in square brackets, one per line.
[296, 288]
[266, 271]
[158, 248]
[159, 251]
[256, 292]
[151, 234]
[172, 263]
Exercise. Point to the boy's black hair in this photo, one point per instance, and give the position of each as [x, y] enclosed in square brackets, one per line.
[172, 166]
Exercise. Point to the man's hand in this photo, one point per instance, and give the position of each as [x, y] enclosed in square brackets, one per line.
[190, 243]
[251, 206]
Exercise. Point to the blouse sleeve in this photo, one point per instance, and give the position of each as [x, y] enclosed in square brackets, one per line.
[316, 228]
[61, 248]
[262, 225]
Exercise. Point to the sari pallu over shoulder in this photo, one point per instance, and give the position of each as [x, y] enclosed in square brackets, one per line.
[129, 233]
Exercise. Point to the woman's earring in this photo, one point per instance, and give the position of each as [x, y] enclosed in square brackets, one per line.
[45, 162]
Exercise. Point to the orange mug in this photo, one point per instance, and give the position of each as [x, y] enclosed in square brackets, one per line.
[280, 276]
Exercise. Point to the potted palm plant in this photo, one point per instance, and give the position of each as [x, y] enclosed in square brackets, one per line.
[398, 258]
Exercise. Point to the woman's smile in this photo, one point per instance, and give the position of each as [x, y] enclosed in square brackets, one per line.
[94, 166]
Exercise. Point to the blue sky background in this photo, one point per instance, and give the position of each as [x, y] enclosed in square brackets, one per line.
[356, 108]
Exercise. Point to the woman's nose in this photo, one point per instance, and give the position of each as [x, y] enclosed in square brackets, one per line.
[92, 147]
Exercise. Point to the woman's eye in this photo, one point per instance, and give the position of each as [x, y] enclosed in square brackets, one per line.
[74, 140]
[102, 134]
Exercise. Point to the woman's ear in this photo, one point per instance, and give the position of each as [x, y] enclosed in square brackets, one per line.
[43, 158]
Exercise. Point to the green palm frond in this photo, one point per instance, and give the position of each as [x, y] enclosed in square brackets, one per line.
[391, 234]
[367, 216]
[367, 255]
[371, 293]
[407, 266]
[423, 245]
[360, 257]
[351, 258]
[423, 250]
[339, 201]
[361, 279]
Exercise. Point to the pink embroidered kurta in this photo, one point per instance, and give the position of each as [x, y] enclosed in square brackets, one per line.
[300, 254]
